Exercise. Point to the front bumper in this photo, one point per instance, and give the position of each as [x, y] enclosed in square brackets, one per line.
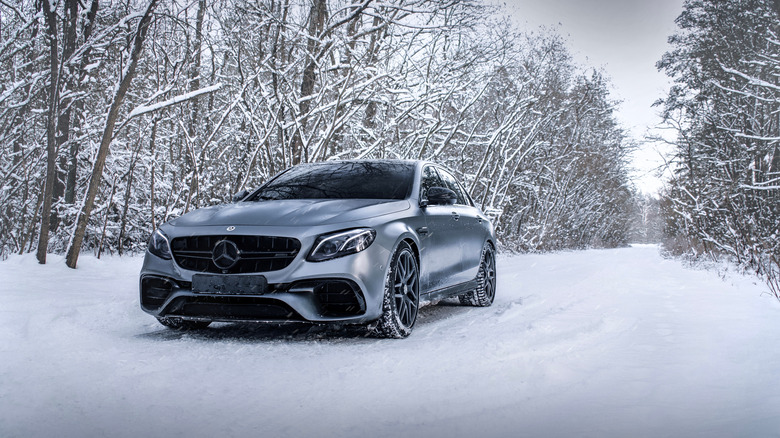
[316, 300]
[348, 289]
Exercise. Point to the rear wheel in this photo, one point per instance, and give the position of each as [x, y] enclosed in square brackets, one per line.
[485, 292]
[182, 324]
[402, 295]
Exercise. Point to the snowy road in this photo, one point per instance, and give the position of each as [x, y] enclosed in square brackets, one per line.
[616, 343]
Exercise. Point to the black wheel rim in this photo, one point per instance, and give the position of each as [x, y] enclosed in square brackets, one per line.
[406, 289]
[490, 275]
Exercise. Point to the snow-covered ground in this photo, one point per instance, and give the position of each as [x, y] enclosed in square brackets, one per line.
[615, 343]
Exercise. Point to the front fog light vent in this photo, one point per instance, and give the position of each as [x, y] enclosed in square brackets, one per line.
[339, 298]
[155, 290]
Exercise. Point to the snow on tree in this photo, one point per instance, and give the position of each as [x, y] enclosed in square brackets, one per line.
[229, 92]
[724, 197]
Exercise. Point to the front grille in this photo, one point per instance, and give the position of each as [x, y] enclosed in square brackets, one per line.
[257, 253]
[233, 308]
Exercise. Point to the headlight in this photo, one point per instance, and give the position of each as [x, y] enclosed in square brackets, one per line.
[158, 245]
[330, 246]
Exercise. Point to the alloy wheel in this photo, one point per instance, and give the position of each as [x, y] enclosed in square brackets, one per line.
[406, 289]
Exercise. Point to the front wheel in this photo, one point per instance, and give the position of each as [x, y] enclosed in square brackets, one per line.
[182, 324]
[485, 292]
[402, 295]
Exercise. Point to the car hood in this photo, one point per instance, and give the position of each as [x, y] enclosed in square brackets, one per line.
[290, 212]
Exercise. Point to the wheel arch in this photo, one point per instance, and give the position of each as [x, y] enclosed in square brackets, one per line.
[415, 249]
[402, 232]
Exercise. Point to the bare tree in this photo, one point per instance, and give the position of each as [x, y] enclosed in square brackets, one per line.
[97, 173]
[51, 128]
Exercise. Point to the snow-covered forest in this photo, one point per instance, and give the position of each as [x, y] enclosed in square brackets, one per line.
[117, 116]
[724, 195]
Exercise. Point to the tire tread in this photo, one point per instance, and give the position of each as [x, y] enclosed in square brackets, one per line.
[388, 325]
[478, 297]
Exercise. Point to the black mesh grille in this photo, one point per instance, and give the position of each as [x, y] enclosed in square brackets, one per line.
[257, 253]
[238, 308]
[154, 291]
[339, 298]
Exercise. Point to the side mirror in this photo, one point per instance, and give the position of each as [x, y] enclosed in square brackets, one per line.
[240, 195]
[441, 196]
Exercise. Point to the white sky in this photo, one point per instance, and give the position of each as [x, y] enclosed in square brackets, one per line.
[625, 38]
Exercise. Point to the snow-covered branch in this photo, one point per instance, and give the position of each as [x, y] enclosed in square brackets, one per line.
[173, 101]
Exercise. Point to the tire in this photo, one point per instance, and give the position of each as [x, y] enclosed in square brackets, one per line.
[401, 296]
[485, 292]
[182, 324]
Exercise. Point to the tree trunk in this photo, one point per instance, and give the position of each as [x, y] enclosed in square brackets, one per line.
[30, 236]
[317, 16]
[128, 189]
[51, 127]
[128, 192]
[108, 132]
[78, 108]
[105, 220]
[193, 142]
[277, 52]
[68, 81]
[370, 114]
[195, 68]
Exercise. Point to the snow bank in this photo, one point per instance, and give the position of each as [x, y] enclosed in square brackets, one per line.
[594, 343]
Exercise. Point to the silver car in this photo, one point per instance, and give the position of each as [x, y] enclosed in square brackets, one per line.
[348, 242]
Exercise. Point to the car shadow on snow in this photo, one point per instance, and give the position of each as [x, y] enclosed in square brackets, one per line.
[430, 314]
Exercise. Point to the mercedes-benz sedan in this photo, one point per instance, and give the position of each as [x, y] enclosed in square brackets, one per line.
[348, 242]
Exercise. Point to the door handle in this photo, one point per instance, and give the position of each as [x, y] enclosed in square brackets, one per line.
[455, 215]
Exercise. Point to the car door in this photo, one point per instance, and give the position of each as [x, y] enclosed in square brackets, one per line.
[469, 227]
[440, 251]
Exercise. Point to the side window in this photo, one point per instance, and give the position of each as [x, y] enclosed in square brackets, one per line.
[466, 197]
[429, 179]
[452, 184]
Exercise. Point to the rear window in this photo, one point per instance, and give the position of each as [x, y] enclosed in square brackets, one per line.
[341, 180]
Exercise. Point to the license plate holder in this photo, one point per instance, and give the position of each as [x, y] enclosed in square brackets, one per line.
[229, 284]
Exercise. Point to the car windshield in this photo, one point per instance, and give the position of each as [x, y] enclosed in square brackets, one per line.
[341, 180]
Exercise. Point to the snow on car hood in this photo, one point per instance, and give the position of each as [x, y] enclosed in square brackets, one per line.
[296, 212]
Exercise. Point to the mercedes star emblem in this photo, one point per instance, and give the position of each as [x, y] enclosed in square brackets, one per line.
[225, 254]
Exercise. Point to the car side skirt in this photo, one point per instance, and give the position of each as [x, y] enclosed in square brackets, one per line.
[450, 291]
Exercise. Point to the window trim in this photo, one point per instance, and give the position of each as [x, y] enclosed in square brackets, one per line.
[463, 192]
